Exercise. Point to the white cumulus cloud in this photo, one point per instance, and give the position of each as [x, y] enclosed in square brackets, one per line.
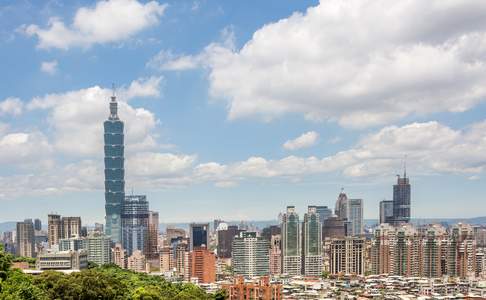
[78, 116]
[338, 62]
[107, 21]
[11, 106]
[305, 140]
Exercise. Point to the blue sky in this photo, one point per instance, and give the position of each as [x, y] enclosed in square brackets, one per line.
[236, 109]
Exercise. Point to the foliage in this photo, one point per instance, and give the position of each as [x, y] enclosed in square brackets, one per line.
[19, 286]
[92, 265]
[29, 260]
[5, 263]
[103, 282]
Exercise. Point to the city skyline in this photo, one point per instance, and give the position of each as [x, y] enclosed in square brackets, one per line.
[201, 133]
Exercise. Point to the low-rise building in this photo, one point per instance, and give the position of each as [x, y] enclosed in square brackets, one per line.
[62, 260]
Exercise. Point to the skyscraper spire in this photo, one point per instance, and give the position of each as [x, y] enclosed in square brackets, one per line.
[113, 106]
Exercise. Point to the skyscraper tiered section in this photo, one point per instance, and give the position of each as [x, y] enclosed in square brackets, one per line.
[114, 172]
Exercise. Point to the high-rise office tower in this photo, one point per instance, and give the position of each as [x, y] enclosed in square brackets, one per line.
[270, 231]
[324, 213]
[54, 229]
[312, 246]
[225, 241]
[114, 172]
[386, 211]
[401, 200]
[198, 235]
[25, 239]
[37, 225]
[341, 208]
[70, 227]
[291, 242]
[333, 227]
[276, 255]
[203, 265]
[250, 255]
[346, 256]
[355, 217]
[153, 235]
[351, 212]
[99, 248]
[135, 223]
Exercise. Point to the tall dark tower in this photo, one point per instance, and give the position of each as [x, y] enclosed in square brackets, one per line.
[401, 199]
[114, 172]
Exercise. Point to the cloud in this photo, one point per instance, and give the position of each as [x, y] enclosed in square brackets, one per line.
[337, 62]
[165, 60]
[49, 67]
[154, 164]
[305, 140]
[11, 106]
[431, 148]
[78, 116]
[56, 179]
[20, 148]
[106, 22]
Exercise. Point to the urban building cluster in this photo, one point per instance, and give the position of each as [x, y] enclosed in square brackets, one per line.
[323, 253]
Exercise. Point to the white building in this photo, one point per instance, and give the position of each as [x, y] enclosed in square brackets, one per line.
[251, 255]
[62, 260]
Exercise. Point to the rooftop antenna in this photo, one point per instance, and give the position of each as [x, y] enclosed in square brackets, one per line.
[405, 167]
[342, 190]
[114, 91]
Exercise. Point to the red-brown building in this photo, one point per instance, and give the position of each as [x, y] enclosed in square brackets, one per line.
[203, 265]
[261, 290]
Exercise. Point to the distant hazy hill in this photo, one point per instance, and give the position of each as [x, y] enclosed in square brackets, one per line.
[7, 226]
[368, 222]
[445, 221]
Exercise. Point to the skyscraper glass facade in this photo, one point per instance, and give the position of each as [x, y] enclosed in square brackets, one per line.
[324, 213]
[355, 216]
[401, 200]
[135, 224]
[114, 172]
[198, 235]
[291, 242]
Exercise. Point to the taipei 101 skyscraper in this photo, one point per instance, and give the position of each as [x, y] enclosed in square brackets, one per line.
[114, 172]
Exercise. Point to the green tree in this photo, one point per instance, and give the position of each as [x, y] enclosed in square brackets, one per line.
[18, 286]
[5, 263]
[325, 275]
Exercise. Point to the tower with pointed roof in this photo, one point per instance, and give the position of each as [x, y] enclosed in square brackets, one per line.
[114, 172]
